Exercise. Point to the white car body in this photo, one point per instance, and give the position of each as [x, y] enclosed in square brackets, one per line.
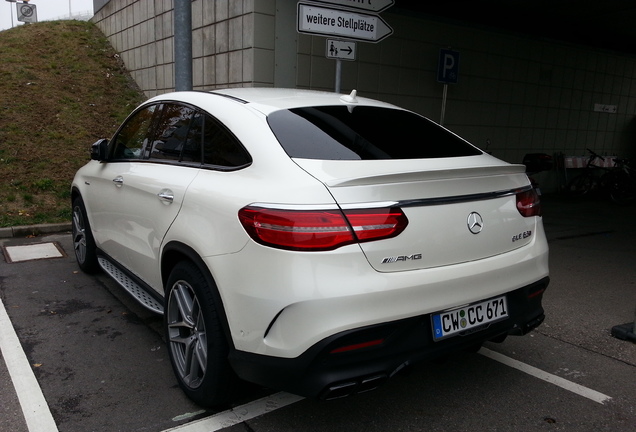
[279, 304]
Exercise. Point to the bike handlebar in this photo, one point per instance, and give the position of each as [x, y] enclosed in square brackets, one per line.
[594, 155]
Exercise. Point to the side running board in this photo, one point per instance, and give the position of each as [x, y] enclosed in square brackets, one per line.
[126, 282]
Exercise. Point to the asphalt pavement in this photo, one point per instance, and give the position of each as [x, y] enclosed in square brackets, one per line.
[100, 362]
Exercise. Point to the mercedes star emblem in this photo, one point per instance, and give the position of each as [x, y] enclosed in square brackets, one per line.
[475, 223]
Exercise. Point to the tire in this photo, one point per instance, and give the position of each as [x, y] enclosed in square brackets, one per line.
[83, 241]
[196, 343]
[581, 185]
[622, 188]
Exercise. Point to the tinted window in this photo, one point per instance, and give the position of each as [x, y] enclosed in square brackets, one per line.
[179, 133]
[334, 133]
[133, 136]
[192, 147]
[172, 133]
[221, 148]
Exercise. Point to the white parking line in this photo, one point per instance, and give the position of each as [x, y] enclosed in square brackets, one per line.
[279, 400]
[552, 379]
[239, 414]
[39, 419]
[34, 407]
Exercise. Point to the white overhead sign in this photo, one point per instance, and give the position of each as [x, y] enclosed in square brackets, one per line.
[368, 5]
[341, 50]
[326, 21]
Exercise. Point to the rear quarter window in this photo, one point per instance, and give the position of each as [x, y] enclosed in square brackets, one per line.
[364, 133]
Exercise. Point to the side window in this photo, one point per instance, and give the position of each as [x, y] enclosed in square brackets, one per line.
[221, 148]
[133, 136]
[192, 148]
[171, 132]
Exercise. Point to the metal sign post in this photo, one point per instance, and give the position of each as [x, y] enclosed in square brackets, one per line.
[338, 76]
[444, 93]
[447, 73]
[183, 45]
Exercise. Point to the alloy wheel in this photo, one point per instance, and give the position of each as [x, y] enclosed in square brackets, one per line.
[187, 337]
[79, 234]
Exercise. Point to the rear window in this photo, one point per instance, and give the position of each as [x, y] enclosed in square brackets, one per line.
[365, 133]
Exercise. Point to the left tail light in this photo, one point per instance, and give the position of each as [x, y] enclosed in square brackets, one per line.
[320, 230]
[529, 203]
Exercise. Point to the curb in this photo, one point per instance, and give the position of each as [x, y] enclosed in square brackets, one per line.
[34, 230]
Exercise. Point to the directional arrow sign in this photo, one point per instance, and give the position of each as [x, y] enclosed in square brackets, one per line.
[341, 50]
[325, 21]
[368, 5]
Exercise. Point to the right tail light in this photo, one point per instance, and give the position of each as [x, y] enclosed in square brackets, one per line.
[529, 203]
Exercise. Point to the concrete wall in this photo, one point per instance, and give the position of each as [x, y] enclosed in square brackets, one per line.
[522, 94]
[233, 41]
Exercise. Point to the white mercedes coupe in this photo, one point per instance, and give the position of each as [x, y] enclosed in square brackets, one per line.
[306, 241]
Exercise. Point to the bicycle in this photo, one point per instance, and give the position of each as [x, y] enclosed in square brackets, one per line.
[618, 182]
[588, 180]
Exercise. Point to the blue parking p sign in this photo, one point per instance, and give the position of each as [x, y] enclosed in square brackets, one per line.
[448, 68]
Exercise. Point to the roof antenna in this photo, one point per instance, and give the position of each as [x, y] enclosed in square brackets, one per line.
[349, 100]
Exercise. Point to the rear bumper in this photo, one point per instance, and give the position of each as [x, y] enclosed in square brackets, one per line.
[319, 372]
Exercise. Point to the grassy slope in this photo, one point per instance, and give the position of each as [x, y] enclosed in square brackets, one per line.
[61, 88]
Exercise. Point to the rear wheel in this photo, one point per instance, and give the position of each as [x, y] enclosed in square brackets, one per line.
[581, 185]
[622, 188]
[83, 242]
[196, 342]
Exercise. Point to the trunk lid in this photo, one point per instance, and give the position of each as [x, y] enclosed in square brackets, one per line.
[459, 209]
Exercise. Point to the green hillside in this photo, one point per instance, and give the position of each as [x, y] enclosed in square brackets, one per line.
[62, 87]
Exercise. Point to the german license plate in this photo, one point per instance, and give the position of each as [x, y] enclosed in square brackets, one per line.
[474, 316]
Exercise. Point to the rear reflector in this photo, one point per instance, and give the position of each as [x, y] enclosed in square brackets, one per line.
[357, 346]
[536, 293]
[319, 230]
[529, 203]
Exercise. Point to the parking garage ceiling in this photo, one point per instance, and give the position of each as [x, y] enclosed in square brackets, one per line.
[606, 24]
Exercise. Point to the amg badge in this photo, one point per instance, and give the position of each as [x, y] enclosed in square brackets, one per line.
[394, 259]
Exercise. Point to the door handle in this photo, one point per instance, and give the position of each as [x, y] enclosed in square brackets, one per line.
[166, 196]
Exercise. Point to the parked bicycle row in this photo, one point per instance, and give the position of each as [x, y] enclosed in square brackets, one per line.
[617, 182]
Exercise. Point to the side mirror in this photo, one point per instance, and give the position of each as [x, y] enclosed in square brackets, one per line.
[99, 149]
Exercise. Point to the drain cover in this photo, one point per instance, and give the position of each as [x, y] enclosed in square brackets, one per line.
[37, 251]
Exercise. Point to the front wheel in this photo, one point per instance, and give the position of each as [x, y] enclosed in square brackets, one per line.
[196, 342]
[83, 242]
[581, 185]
